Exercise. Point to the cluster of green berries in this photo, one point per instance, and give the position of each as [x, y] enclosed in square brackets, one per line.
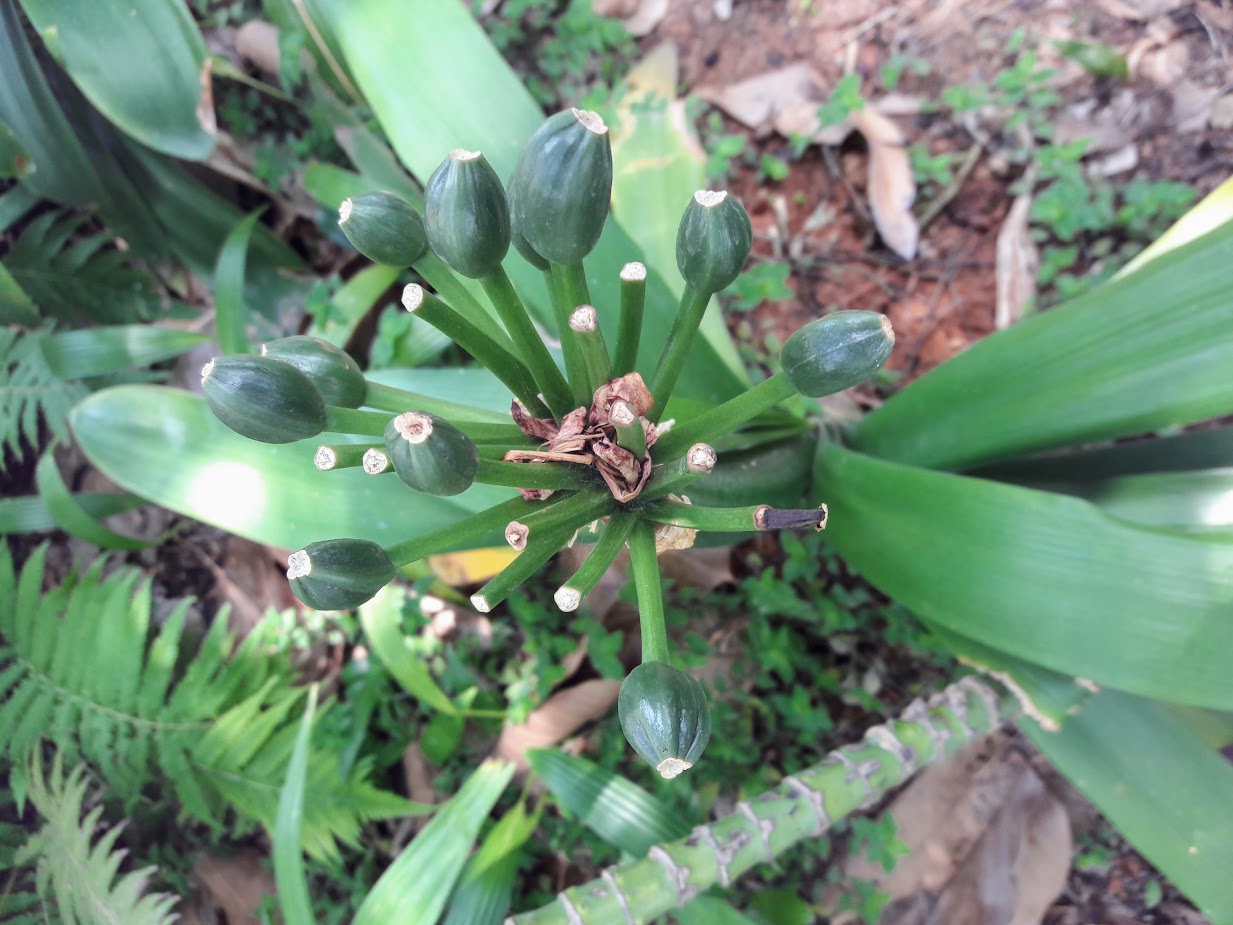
[586, 447]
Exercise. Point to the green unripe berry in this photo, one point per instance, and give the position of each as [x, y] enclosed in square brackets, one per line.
[263, 398]
[337, 377]
[466, 215]
[561, 187]
[664, 716]
[339, 574]
[713, 241]
[384, 228]
[430, 454]
[837, 352]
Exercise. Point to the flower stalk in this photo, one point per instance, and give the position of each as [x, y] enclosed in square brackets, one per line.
[644, 567]
[629, 330]
[569, 596]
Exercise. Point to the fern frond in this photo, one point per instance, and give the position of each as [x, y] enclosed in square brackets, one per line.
[74, 276]
[74, 874]
[214, 727]
[28, 390]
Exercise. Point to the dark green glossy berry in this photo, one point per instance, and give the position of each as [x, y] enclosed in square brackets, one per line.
[339, 574]
[713, 241]
[466, 215]
[664, 716]
[561, 186]
[337, 377]
[384, 228]
[836, 352]
[430, 454]
[263, 399]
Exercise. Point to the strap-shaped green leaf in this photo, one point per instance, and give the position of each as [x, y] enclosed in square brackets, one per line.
[141, 63]
[413, 890]
[230, 311]
[617, 810]
[288, 857]
[1146, 351]
[166, 446]
[113, 349]
[487, 882]
[1164, 789]
[381, 618]
[1048, 578]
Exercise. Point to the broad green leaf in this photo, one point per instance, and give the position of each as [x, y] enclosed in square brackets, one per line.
[289, 873]
[15, 160]
[1049, 578]
[141, 63]
[166, 446]
[329, 185]
[617, 810]
[473, 386]
[1046, 696]
[1215, 209]
[15, 202]
[414, 889]
[15, 305]
[103, 351]
[657, 165]
[439, 105]
[231, 314]
[382, 621]
[1165, 790]
[487, 882]
[63, 171]
[1149, 350]
[70, 516]
[29, 514]
[711, 910]
[1213, 727]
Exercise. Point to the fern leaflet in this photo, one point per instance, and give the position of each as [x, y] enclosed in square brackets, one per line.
[82, 666]
[28, 389]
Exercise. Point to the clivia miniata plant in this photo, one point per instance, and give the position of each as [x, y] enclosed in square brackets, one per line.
[588, 449]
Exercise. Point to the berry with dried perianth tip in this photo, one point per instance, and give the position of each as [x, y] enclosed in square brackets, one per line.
[263, 399]
[713, 241]
[466, 215]
[384, 228]
[664, 716]
[337, 377]
[430, 454]
[837, 352]
[339, 574]
[561, 186]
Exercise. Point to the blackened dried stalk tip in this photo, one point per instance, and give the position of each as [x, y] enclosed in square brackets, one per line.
[769, 518]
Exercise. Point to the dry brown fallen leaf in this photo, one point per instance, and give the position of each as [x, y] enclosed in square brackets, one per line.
[988, 843]
[257, 42]
[892, 190]
[237, 884]
[1017, 263]
[557, 718]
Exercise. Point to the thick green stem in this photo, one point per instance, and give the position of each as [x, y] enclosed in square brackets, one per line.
[482, 433]
[644, 566]
[569, 596]
[461, 534]
[726, 418]
[673, 476]
[680, 337]
[629, 332]
[454, 290]
[631, 435]
[734, 519]
[554, 476]
[537, 551]
[499, 361]
[528, 345]
[803, 807]
[584, 322]
[568, 285]
[340, 455]
[388, 398]
[575, 510]
[351, 421]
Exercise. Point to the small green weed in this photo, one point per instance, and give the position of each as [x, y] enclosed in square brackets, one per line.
[760, 283]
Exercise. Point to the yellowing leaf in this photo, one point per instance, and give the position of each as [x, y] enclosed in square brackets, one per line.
[472, 566]
[892, 190]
